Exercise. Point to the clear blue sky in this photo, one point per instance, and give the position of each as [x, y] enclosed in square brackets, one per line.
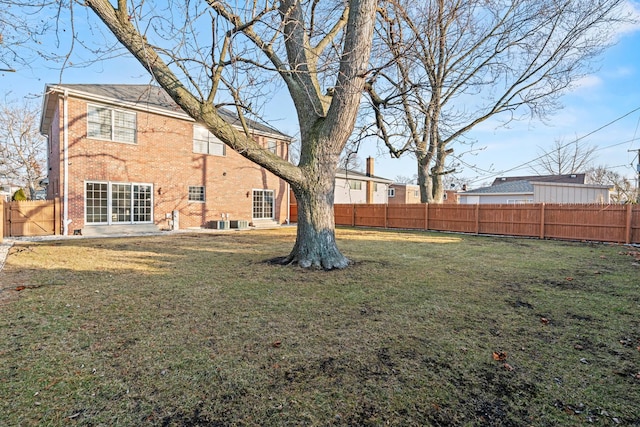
[610, 95]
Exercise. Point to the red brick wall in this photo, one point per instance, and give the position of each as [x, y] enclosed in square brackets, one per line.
[55, 133]
[163, 156]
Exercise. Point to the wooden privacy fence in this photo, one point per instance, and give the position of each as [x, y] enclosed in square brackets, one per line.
[31, 218]
[603, 223]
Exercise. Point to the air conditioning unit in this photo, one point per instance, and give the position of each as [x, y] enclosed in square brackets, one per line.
[240, 224]
[219, 225]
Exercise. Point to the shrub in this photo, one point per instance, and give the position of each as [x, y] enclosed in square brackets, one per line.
[19, 196]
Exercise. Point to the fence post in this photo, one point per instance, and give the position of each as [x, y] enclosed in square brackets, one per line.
[628, 229]
[57, 216]
[477, 218]
[1, 219]
[542, 206]
[426, 216]
[353, 217]
[386, 215]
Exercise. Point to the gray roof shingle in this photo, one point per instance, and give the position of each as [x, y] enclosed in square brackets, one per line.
[156, 97]
[506, 187]
[574, 178]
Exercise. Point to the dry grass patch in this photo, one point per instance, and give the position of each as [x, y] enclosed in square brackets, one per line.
[197, 329]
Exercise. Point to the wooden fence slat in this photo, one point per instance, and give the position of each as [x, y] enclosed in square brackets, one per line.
[627, 231]
[426, 216]
[542, 219]
[2, 227]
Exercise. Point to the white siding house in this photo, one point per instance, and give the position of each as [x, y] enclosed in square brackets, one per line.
[543, 189]
[356, 187]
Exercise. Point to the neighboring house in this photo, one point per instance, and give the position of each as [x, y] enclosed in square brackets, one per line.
[126, 157]
[356, 187]
[538, 189]
[404, 194]
[7, 191]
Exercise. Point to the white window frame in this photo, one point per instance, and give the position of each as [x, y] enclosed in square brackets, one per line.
[93, 206]
[204, 194]
[391, 192]
[115, 131]
[264, 208]
[272, 146]
[132, 209]
[204, 142]
[355, 184]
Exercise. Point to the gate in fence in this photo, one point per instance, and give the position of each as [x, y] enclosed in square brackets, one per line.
[30, 218]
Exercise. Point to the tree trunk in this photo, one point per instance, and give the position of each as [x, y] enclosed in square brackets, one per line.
[437, 191]
[424, 180]
[315, 240]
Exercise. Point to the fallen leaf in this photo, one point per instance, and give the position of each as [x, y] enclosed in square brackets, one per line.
[508, 367]
[569, 279]
[578, 347]
[20, 288]
[544, 320]
[500, 355]
[276, 344]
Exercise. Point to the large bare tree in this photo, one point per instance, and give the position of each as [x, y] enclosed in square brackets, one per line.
[623, 188]
[23, 151]
[23, 26]
[446, 66]
[206, 54]
[564, 158]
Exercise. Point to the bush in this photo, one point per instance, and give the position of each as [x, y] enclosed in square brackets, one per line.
[19, 196]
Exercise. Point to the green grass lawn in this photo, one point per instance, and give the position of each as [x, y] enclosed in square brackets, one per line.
[423, 329]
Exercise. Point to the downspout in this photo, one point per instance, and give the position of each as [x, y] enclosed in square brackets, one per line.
[65, 161]
[288, 187]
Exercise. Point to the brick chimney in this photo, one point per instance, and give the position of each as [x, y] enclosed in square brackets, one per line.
[369, 183]
[369, 166]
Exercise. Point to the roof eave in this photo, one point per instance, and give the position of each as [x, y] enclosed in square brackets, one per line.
[61, 89]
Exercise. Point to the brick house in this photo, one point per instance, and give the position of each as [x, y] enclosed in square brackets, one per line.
[406, 194]
[126, 157]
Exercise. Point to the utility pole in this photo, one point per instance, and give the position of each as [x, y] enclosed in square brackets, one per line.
[637, 174]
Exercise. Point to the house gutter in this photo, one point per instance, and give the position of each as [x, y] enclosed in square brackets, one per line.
[65, 139]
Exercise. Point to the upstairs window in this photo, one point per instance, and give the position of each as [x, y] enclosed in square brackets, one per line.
[272, 146]
[355, 185]
[204, 142]
[111, 125]
[392, 192]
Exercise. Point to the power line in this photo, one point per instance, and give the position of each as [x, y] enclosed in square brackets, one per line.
[522, 165]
